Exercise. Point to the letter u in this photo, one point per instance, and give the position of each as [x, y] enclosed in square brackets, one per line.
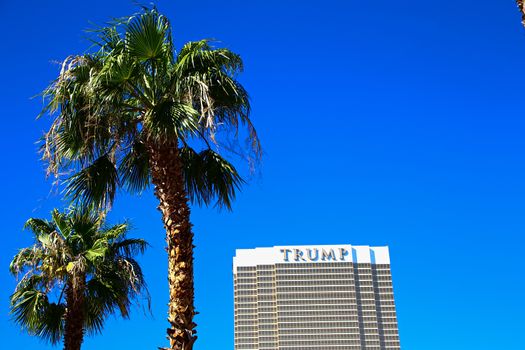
[310, 257]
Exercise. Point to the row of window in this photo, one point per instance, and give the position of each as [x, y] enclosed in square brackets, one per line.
[319, 312]
[338, 275]
[330, 264]
[339, 301]
[252, 283]
[322, 342]
[327, 286]
[269, 269]
[314, 288]
[283, 339]
[247, 331]
[380, 309]
[323, 305]
[316, 318]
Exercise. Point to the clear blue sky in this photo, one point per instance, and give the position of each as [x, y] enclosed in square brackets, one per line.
[395, 123]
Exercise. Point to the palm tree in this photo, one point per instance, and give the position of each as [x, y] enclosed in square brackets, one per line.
[134, 112]
[76, 274]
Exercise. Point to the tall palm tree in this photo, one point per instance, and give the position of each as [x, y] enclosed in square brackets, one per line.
[76, 274]
[134, 112]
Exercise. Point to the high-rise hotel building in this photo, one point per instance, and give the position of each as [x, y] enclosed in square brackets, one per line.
[314, 297]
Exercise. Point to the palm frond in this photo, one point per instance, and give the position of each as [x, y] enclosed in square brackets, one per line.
[52, 325]
[61, 222]
[99, 304]
[98, 250]
[96, 184]
[39, 226]
[170, 121]
[32, 310]
[114, 233]
[26, 257]
[200, 56]
[208, 75]
[209, 177]
[117, 71]
[107, 37]
[148, 36]
[134, 168]
[130, 247]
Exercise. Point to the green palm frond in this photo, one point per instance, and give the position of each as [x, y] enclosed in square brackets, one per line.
[31, 309]
[61, 222]
[148, 36]
[98, 250]
[117, 71]
[85, 223]
[107, 38]
[171, 120]
[99, 304]
[39, 226]
[52, 327]
[96, 184]
[134, 168]
[209, 75]
[208, 176]
[130, 247]
[200, 56]
[114, 233]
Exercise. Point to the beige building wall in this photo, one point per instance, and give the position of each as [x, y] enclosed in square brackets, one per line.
[314, 297]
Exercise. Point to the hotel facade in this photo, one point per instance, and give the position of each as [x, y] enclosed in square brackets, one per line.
[314, 297]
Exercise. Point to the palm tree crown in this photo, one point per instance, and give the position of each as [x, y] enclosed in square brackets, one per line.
[77, 273]
[135, 91]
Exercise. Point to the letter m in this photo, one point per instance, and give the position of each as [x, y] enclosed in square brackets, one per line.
[328, 255]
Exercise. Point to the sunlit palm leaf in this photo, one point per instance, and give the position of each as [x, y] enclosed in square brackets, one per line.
[147, 36]
[39, 226]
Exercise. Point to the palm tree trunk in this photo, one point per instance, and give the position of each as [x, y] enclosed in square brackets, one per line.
[521, 6]
[74, 319]
[166, 172]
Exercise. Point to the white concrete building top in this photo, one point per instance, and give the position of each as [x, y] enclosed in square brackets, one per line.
[311, 254]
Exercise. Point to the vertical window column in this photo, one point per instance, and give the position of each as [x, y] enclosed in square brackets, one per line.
[267, 308]
[366, 306]
[245, 309]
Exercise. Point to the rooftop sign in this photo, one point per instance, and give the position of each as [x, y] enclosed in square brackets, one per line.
[311, 254]
[314, 254]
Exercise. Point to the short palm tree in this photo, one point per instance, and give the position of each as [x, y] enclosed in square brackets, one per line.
[135, 112]
[76, 274]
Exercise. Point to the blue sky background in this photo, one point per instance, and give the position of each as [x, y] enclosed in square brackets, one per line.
[393, 123]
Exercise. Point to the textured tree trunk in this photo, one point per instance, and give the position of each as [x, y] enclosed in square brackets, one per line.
[521, 6]
[74, 320]
[167, 177]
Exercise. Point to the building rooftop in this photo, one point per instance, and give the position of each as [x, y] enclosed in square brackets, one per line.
[311, 254]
